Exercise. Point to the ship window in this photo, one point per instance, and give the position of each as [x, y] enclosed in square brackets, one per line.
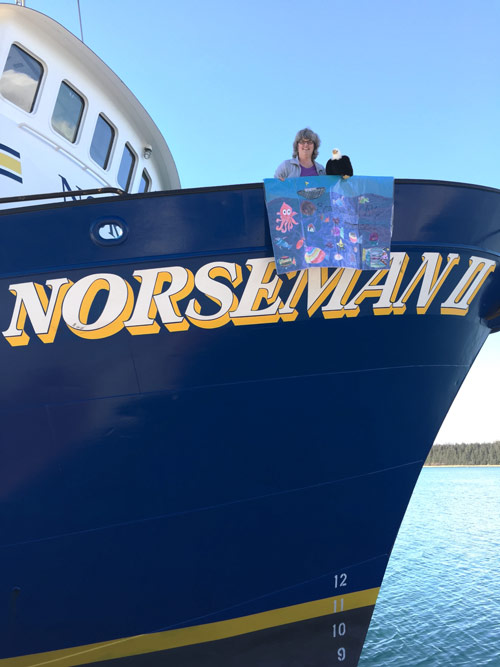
[145, 184]
[126, 168]
[21, 78]
[102, 141]
[68, 112]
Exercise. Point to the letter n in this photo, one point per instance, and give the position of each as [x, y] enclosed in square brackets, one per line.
[44, 313]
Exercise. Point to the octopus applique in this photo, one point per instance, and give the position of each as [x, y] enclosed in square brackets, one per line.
[286, 218]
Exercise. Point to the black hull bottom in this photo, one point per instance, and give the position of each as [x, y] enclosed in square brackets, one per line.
[304, 644]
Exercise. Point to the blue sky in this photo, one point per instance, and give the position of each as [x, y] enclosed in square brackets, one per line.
[406, 88]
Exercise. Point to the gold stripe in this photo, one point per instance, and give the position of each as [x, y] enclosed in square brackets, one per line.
[197, 634]
[11, 163]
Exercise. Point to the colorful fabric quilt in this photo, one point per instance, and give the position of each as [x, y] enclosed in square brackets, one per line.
[331, 222]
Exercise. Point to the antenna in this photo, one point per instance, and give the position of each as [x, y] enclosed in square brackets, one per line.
[20, 3]
[79, 16]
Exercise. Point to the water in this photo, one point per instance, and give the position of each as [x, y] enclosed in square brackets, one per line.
[440, 601]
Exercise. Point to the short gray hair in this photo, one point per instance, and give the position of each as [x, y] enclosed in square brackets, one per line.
[306, 133]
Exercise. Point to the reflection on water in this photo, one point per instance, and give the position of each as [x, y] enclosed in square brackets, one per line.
[440, 601]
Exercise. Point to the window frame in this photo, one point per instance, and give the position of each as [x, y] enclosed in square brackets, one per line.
[113, 145]
[132, 170]
[41, 82]
[148, 180]
[83, 114]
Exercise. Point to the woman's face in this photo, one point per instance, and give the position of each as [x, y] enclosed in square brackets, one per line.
[306, 149]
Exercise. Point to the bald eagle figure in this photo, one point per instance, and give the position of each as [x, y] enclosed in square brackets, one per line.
[339, 165]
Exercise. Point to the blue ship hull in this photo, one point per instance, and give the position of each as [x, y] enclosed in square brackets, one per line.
[187, 483]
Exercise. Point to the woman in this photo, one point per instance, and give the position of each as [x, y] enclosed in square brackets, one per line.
[305, 151]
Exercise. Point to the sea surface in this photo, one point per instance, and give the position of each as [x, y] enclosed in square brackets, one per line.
[439, 604]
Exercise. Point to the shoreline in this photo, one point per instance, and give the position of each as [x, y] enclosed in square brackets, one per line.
[461, 465]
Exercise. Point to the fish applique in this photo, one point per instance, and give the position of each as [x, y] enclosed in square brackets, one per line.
[286, 261]
[281, 243]
[314, 255]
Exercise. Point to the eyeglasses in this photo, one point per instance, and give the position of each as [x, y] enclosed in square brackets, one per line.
[304, 142]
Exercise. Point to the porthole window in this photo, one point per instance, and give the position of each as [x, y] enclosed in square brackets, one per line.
[108, 231]
[145, 184]
[126, 168]
[21, 78]
[102, 142]
[68, 112]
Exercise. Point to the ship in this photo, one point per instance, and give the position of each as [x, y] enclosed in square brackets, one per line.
[202, 462]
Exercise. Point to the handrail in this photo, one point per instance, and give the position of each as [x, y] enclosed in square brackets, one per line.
[59, 195]
[64, 151]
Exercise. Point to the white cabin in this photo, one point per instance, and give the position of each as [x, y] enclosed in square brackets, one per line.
[67, 122]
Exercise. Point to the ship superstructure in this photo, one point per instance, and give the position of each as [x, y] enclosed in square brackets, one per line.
[67, 122]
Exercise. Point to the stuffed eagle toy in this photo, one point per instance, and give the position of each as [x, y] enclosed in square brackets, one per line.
[339, 165]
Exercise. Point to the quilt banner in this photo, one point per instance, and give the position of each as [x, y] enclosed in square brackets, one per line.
[329, 221]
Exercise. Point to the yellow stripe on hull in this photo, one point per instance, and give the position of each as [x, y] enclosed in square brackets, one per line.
[11, 163]
[197, 634]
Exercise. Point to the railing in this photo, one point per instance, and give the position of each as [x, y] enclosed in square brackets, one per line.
[61, 149]
[60, 195]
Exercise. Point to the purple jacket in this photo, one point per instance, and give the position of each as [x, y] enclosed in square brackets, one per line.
[291, 169]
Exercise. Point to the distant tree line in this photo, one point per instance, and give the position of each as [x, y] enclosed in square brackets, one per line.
[475, 454]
